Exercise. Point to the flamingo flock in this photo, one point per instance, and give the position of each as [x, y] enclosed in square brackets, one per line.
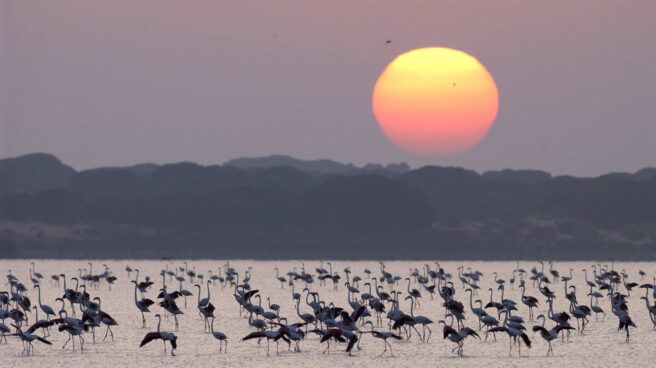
[372, 304]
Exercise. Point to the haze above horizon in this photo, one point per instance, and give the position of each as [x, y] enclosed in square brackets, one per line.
[122, 82]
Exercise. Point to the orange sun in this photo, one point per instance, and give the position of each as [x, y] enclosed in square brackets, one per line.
[435, 101]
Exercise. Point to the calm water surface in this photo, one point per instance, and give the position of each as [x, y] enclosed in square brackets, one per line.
[601, 346]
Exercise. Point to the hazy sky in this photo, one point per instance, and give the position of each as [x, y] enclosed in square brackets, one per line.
[121, 82]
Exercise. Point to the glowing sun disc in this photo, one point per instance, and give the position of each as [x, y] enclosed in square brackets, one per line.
[435, 102]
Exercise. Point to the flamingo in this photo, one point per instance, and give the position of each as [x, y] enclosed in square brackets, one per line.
[550, 335]
[422, 320]
[414, 293]
[45, 308]
[143, 305]
[27, 338]
[529, 301]
[457, 336]
[383, 336]
[268, 335]
[280, 278]
[513, 333]
[221, 337]
[163, 335]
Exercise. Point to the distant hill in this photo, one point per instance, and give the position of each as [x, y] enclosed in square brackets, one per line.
[143, 169]
[518, 176]
[32, 173]
[327, 167]
[322, 167]
[646, 174]
[281, 207]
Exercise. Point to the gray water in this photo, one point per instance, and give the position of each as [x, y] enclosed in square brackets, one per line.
[601, 346]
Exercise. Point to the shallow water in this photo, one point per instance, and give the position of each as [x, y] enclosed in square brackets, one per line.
[601, 346]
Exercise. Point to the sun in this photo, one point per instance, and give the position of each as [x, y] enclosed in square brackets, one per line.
[435, 102]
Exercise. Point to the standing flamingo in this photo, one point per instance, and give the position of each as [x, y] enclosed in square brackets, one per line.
[163, 335]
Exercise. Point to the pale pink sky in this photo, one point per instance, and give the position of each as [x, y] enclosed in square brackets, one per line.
[119, 82]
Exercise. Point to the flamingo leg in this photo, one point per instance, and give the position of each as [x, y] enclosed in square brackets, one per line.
[69, 338]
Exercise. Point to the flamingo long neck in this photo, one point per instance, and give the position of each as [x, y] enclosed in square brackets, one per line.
[651, 316]
[471, 298]
[39, 288]
[159, 321]
[408, 286]
[412, 307]
[208, 290]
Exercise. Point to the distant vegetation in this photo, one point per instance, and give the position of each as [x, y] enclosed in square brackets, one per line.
[281, 207]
